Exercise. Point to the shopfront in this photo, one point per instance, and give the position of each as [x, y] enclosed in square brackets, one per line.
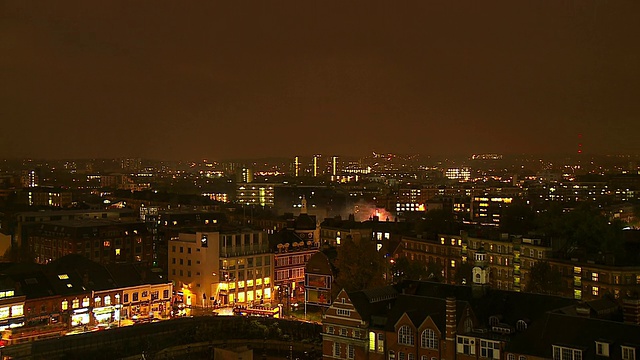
[80, 317]
[104, 315]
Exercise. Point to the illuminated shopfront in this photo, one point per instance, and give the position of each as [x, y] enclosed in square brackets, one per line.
[104, 315]
[80, 317]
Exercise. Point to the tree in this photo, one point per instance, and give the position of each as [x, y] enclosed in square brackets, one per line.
[583, 227]
[437, 221]
[464, 274]
[543, 279]
[405, 269]
[434, 271]
[517, 219]
[359, 265]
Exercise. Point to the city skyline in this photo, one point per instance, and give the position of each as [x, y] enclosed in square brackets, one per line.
[87, 80]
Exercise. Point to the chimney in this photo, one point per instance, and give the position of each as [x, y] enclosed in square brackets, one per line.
[450, 331]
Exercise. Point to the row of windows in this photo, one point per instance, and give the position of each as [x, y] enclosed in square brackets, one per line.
[344, 332]
[292, 260]
[98, 302]
[11, 311]
[349, 350]
[428, 338]
[290, 274]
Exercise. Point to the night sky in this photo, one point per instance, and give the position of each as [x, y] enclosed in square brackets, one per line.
[198, 79]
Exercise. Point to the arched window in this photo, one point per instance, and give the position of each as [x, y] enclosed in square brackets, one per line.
[493, 320]
[424, 357]
[429, 339]
[521, 325]
[405, 335]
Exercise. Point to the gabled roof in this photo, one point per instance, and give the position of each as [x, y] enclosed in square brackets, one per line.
[574, 332]
[418, 308]
[319, 263]
[510, 306]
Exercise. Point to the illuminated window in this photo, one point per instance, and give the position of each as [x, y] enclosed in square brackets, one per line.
[106, 243]
[594, 276]
[595, 291]
[75, 304]
[85, 302]
[117, 252]
[17, 310]
[107, 300]
[490, 349]
[65, 305]
[4, 312]
[453, 263]
[63, 277]
[372, 341]
[602, 348]
[97, 302]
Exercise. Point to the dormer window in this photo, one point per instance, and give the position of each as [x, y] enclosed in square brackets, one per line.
[521, 325]
[602, 348]
[565, 353]
[628, 353]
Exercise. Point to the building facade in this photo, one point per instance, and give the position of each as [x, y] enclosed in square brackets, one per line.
[232, 266]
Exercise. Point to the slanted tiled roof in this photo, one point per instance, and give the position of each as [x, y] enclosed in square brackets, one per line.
[319, 263]
[510, 306]
[92, 275]
[575, 332]
[418, 308]
[34, 284]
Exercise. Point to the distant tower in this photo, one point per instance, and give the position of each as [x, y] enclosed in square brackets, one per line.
[247, 174]
[303, 210]
[579, 144]
[334, 165]
[30, 178]
[316, 159]
[296, 166]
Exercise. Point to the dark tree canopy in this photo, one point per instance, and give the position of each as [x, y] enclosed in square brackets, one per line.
[544, 279]
[463, 275]
[517, 219]
[360, 266]
[584, 227]
[405, 269]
